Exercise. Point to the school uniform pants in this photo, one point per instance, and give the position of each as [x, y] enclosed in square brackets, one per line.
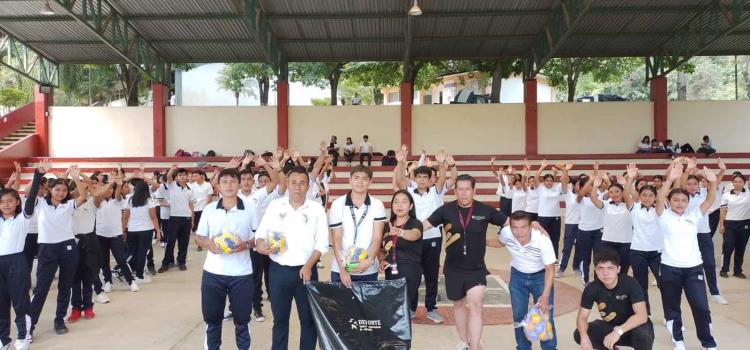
[623, 250]
[587, 242]
[349, 157]
[569, 239]
[115, 246]
[139, 242]
[88, 269]
[334, 157]
[638, 338]
[214, 292]
[63, 255]
[706, 246]
[179, 233]
[336, 277]
[197, 215]
[736, 235]
[31, 249]
[362, 157]
[521, 286]
[641, 262]
[431, 248]
[412, 272]
[552, 226]
[261, 264]
[713, 221]
[15, 281]
[285, 285]
[164, 229]
[506, 205]
[690, 279]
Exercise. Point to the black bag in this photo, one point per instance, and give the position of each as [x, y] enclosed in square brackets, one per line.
[686, 148]
[372, 315]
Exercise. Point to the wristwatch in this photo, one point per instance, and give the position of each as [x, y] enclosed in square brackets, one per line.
[619, 331]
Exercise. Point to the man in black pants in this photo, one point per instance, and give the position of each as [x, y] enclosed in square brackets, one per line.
[619, 299]
[180, 218]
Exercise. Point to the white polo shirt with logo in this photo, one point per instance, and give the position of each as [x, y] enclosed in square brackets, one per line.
[305, 230]
[241, 220]
[342, 215]
[425, 204]
[179, 200]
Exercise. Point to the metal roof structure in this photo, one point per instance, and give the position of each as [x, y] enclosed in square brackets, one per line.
[154, 33]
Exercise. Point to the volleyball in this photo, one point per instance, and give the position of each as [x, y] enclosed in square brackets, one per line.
[354, 256]
[277, 240]
[226, 242]
[536, 326]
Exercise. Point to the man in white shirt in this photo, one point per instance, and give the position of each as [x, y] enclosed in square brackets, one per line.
[227, 272]
[202, 192]
[356, 221]
[180, 218]
[532, 273]
[365, 151]
[294, 233]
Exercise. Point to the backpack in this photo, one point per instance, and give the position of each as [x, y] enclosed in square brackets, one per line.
[180, 153]
[686, 148]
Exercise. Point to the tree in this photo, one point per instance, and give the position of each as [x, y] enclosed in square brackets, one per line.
[322, 75]
[498, 69]
[564, 73]
[348, 88]
[233, 78]
[262, 73]
[131, 79]
[375, 76]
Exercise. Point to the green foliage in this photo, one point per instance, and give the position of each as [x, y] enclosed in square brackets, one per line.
[14, 97]
[15, 90]
[347, 89]
[88, 84]
[564, 73]
[233, 78]
[320, 102]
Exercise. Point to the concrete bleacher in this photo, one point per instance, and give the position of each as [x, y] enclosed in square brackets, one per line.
[381, 187]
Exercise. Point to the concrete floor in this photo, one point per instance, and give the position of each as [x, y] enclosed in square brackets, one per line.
[166, 315]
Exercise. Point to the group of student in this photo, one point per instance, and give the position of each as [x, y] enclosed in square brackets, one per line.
[275, 205]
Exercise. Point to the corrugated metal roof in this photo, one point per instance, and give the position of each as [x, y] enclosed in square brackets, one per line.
[345, 30]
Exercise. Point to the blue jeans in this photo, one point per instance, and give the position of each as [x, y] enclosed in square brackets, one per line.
[587, 242]
[521, 286]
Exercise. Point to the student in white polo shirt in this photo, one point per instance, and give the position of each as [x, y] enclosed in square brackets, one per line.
[733, 224]
[139, 217]
[57, 246]
[549, 194]
[503, 187]
[681, 261]
[303, 224]
[162, 198]
[365, 151]
[356, 221]
[109, 232]
[590, 227]
[572, 219]
[180, 218]
[617, 231]
[532, 273]
[227, 273]
[426, 200]
[15, 275]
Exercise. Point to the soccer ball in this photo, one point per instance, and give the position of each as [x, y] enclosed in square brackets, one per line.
[226, 242]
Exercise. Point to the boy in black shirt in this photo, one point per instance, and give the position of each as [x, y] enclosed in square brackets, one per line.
[620, 303]
[465, 221]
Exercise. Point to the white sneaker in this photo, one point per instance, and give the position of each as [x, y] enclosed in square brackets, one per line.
[227, 315]
[107, 287]
[462, 346]
[435, 316]
[134, 287]
[145, 279]
[101, 298]
[679, 345]
[22, 344]
[559, 273]
[162, 244]
[5, 347]
[653, 283]
[719, 299]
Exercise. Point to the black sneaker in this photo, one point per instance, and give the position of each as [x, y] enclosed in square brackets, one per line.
[60, 328]
[724, 274]
[259, 316]
[163, 269]
[151, 270]
[183, 268]
[740, 275]
[171, 265]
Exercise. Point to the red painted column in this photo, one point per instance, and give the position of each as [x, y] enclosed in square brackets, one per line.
[406, 101]
[659, 98]
[159, 95]
[42, 101]
[282, 113]
[530, 102]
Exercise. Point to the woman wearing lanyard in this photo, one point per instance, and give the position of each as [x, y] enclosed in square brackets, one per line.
[402, 251]
[549, 194]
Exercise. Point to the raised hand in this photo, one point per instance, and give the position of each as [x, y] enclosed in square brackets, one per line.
[569, 166]
[596, 166]
[560, 165]
[620, 179]
[632, 171]
[440, 156]
[17, 167]
[449, 159]
[275, 163]
[428, 162]
[296, 155]
[598, 181]
[246, 161]
[692, 163]
[401, 154]
[323, 147]
[526, 163]
[279, 153]
[74, 171]
[543, 164]
[722, 166]
[709, 175]
[675, 173]
[260, 161]
[492, 161]
[285, 155]
[44, 166]
[234, 163]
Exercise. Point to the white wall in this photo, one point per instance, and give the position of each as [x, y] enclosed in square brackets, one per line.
[101, 132]
[601, 127]
[226, 130]
[726, 122]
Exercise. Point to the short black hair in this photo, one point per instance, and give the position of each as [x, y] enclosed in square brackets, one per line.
[423, 170]
[299, 170]
[16, 196]
[660, 177]
[230, 172]
[246, 171]
[519, 215]
[361, 169]
[606, 255]
[365, 137]
[467, 177]
[262, 174]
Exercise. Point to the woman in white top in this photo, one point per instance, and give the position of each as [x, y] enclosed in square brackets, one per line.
[590, 226]
[57, 246]
[15, 274]
[349, 149]
[109, 233]
[572, 218]
[140, 216]
[503, 187]
[518, 193]
[617, 230]
[549, 194]
[681, 263]
[733, 225]
[647, 243]
[532, 198]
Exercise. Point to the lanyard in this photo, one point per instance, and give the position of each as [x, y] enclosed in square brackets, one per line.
[465, 223]
[357, 223]
[394, 240]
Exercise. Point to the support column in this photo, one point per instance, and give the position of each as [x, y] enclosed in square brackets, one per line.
[159, 94]
[282, 104]
[42, 101]
[659, 98]
[406, 102]
[530, 103]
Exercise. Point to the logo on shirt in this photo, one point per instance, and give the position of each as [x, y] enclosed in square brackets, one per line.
[621, 297]
[282, 216]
